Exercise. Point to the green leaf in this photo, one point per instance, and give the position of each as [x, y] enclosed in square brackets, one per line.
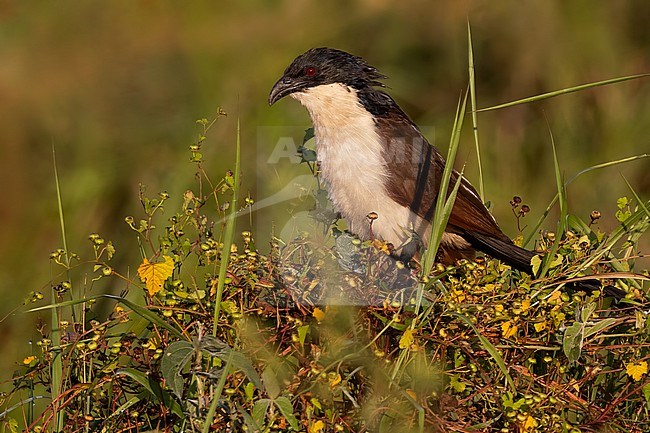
[229, 307]
[249, 390]
[550, 260]
[535, 263]
[637, 218]
[216, 396]
[600, 326]
[260, 408]
[456, 384]
[623, 215]
[174, 360]
[217, 348]
[307, 155]
[575, 334]
[153, 388]
[302, 334]
[587, 311]
[557, 261]
[251, 424]
[141, 378]
[636, 196]
[271, 384]
[509, 401]
[110, 250]
[56, 370]
[286, 408]
[572, 341]
[578, 225]
[316, 403]
[309, 134]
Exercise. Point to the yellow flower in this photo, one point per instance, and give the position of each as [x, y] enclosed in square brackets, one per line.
[636, 370]
[406, 339]
[381, 246]
[318, 314]
[333, 378]
[509, 329]
[540, 326]
[316, 427]
[554, 296]
[528, 424]
[29, 360]
[458, 295]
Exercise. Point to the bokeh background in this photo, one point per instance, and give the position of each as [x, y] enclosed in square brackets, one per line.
[116, 87]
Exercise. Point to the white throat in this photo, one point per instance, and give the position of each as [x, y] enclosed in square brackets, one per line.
[352, 165]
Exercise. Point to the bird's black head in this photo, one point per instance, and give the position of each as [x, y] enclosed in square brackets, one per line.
[320, 66]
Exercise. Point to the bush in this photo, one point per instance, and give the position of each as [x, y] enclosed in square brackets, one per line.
[212, 334]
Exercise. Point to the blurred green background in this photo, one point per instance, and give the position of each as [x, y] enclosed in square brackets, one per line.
[117, 87]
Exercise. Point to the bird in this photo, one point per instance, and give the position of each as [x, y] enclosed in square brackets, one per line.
[374, 160]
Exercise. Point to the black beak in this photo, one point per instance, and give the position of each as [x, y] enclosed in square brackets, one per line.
[285, 86]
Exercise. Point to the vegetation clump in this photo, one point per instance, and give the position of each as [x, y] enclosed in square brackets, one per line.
[209, 333]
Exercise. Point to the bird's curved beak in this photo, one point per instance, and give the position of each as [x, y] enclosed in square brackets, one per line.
[285, 86]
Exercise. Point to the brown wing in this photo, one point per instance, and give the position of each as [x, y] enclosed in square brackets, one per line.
[415, 168]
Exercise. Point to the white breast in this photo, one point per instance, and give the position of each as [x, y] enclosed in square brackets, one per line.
[350, 155]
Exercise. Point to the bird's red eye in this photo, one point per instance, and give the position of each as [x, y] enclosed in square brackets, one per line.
[310, 71]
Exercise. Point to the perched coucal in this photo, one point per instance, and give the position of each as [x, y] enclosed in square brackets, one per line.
[373, 158]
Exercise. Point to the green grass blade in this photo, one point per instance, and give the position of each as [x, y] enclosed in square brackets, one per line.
[444, 205]
[438, 229]
[20, 405]
[60, 205]
[439, 221]
[562, 198]
[472, 93]
[57, 365]
[67, 303]
[564, 91]
[636, 197]
[607, 164]
[559, 183]
[139, 310]
[147, 315]
[217, 392]
[129, 403]
[228, 234]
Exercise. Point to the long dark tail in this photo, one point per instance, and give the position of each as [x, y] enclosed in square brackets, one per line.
[509, 253]
[519, 258]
